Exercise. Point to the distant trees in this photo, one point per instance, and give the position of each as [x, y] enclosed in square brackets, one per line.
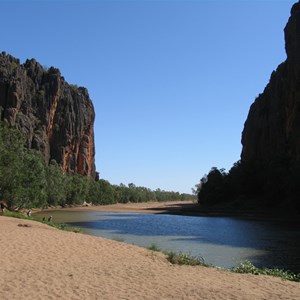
[26, 181]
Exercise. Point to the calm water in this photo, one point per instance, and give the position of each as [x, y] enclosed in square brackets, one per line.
[223, 242]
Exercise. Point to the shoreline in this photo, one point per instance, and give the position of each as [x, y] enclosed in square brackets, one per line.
[185, 208]
[41, 262]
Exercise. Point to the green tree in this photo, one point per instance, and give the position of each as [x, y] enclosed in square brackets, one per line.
[212, 189]
[56, 185]
[22, 177]
[77, 189]
[106, 192]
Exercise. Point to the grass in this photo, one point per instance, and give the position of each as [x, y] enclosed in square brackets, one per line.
[154, 247]
[14, 214]
[186, 259]
[246, 267]
[61, 226]
[55, 225]
[249, 268]
[180, 258]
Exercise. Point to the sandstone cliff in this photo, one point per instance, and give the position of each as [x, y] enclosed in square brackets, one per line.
[272, 128]
[57, 118]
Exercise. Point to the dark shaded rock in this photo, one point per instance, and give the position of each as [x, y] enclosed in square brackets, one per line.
[57, 118]
[271, 135]
[272, 128]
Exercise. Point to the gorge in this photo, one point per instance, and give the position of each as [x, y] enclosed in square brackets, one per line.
[57, 118]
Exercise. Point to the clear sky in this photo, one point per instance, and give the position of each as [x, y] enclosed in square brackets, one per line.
[171, 81]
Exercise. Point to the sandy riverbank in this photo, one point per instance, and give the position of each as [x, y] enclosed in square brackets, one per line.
[185, 208]
[41, 262]
[145, 207]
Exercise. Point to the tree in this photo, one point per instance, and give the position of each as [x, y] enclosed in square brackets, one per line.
[77, 189]
[212, 187]
[106, 192]
[56, 184]
[23, 177]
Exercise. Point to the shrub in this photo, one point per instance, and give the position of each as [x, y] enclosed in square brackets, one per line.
[248, 267]
[184, 259]
[154, 247]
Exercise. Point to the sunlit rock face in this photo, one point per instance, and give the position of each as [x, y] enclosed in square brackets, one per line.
[272, 128]
[57, 118]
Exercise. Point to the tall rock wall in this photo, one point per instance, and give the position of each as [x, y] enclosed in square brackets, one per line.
[272, 128]
[57, 118]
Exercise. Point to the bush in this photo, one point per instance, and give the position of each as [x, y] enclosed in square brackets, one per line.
[154, 247]
[248, 267]
[184, 259]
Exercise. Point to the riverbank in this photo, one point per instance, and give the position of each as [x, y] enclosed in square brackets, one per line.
[41, 262]
[144, 207]
[187, 208]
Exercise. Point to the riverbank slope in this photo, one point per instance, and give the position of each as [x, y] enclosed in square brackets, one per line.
[41, 262]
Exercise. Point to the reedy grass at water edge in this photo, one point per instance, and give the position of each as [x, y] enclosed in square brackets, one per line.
[14, 214]
[249, 268]
[55, 225]
[181, 258]
[245, 267]
[154, 247]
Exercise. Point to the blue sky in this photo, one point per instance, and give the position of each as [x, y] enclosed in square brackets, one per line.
[171, 81]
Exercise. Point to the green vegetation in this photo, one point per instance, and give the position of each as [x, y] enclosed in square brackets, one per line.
[19, 215]
[154, 247]
[248, 267]
[22, 172]
[14, 214]
[61, 226]
[252, 184]
[245, 268]
[185, 259]
[27, 181]
[180, 258]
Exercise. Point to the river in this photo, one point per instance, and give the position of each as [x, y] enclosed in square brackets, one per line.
[221, 241]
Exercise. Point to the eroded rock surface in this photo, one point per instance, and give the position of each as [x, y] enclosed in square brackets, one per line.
[272, 128]
[57, 118]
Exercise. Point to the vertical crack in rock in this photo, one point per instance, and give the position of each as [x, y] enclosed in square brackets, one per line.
[56, 117]
[51, 116]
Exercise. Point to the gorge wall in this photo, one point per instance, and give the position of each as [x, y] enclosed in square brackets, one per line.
[56, 117]
[271, 135]
[272, 128]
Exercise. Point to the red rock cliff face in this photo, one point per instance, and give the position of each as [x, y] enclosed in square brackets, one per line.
[57, 118]
[272, 128]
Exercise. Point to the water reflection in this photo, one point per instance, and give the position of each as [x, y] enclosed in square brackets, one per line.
[223, 242]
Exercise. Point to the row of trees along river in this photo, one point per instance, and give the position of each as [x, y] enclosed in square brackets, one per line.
[27, 181]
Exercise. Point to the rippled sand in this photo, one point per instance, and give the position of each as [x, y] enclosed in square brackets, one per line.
[41, 262]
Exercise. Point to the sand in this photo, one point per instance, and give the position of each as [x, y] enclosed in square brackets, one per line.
[41, 262]
[178, 207]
